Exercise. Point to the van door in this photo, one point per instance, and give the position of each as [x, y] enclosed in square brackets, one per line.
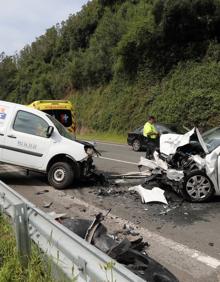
[26, 142]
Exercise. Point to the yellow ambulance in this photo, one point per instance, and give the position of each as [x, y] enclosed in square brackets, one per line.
[62, 110]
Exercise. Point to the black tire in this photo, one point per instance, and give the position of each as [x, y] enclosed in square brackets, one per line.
[60, 175]
[136, 145]
[197, 187]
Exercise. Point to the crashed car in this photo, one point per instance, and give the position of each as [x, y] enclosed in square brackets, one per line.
[189, 163]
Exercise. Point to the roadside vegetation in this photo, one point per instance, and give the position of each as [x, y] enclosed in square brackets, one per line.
[120, 61]
[105, 137]
[10, 267]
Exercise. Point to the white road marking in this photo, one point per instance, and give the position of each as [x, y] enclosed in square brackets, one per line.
[119, 161]
[111, 144]
[183, 249]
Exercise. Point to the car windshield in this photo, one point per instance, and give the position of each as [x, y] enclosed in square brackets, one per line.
[61, 129]
[212, 138]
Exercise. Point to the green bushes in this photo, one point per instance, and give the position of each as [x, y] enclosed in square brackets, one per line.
[189, 95]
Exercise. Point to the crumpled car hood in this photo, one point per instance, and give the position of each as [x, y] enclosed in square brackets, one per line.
[169, 143]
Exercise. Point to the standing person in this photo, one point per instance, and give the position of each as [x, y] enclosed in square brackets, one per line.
[151, 135]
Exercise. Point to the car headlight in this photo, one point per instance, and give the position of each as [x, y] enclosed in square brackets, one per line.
[89, 151]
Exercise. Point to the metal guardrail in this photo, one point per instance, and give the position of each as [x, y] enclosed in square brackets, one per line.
[71, 254]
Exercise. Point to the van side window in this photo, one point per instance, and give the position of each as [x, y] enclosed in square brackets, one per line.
[29, 123]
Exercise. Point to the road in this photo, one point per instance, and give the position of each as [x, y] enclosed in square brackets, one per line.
[184, 237]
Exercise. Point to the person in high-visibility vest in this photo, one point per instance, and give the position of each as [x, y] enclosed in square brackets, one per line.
[151, 135]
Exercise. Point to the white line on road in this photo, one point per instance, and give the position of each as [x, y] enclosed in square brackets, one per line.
[119, 161]
[111, 144]
[183, 249]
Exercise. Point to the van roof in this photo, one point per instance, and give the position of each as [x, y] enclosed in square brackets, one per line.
[21, 107]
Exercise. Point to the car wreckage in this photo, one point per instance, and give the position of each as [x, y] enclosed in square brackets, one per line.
[130, 253]
[189, 163]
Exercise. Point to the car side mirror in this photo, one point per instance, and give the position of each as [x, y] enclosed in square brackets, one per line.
[50, 131]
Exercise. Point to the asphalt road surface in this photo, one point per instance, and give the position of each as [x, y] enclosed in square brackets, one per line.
[184, 237]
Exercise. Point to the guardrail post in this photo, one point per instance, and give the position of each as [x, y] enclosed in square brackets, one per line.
[22, 234]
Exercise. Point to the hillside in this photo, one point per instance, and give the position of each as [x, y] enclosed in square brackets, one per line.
[122, 60]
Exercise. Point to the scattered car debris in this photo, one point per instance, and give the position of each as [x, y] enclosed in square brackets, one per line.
[42, 192]
[129, 230]
[131, 253]
[119, 181]
[108, 191]
[147, 195]
[167, 210]
[55, 215]
[131, 175]
[47, 205]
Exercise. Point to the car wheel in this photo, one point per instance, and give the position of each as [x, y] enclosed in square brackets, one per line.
[197, 187]
[60, 175]
[136, 145]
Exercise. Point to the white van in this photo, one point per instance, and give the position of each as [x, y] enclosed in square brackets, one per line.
[37, 141]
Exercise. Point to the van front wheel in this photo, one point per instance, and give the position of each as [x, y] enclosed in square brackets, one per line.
[60, 175]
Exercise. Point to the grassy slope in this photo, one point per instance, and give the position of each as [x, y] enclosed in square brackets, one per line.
[10, 268]
[105, 137]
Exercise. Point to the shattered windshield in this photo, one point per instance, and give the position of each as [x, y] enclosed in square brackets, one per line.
[61, 129]
[212, 138]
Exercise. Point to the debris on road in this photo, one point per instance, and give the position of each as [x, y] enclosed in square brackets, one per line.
[131, 253]
[147, 195]
[55, 215]
[108, 191]
[131, 175]
[47, 205]
[120, 181]
[42, 192]
[129, 230]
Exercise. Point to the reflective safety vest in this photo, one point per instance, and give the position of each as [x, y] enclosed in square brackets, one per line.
[149, 130]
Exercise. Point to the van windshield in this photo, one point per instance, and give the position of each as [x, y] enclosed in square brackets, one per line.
[63, 116]
[61, 129]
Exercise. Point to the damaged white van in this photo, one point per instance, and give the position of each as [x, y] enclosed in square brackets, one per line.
[37, 141]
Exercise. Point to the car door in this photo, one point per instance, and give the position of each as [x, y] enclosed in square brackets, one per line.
[26, 141]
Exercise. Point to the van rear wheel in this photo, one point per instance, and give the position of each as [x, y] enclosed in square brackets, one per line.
[60, 175]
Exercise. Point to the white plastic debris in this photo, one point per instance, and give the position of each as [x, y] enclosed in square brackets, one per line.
[148, 163]
[162, 164]
[120, 181]
[55, 215]
[174, 174]
[47, 205]
[147, 196]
